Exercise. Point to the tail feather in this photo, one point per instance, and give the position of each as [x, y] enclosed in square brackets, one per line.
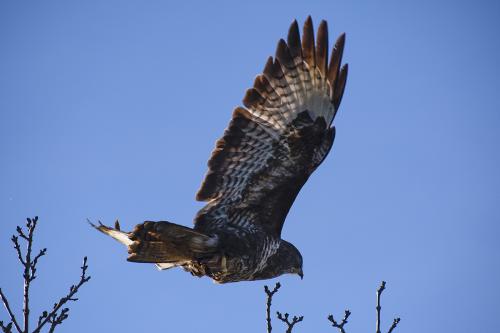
[168, 243]
[116, 233]
[163, 243]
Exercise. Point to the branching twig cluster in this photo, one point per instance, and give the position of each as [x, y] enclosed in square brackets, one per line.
[378, 308]
[340, 326]
[396, 320]
[290, 324]
[270, 295]
[284, 318]
[58, 313]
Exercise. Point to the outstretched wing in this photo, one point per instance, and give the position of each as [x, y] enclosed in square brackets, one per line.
[272, 146]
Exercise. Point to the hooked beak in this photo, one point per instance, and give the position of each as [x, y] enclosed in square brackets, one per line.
[301, 274]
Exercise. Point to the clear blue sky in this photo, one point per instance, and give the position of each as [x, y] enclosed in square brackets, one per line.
[110, 109]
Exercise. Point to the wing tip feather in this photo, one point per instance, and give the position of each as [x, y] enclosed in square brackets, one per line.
[340, 86]
[322, 47]
[308, 49]
[293, 40]
[252, 98]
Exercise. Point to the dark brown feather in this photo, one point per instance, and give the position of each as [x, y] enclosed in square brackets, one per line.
[260, 83]
[336, 59]
[293, 40]
[283, 54]
[340, 86]
[266, 91]
[273, 70]
[269, 65]
[322, 48]
[252, 98]
[308, 50]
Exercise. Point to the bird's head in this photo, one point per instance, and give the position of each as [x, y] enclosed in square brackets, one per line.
[287, 260]
[293, 259]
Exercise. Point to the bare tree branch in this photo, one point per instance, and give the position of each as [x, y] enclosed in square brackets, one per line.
[378, 308]
[15, 240]
[270, 295]
[35, 262]
[284, 318]
[291, 324]
[340, 326]
[31, 225]
[394, 324]
[21, 232]
[53, 315]
[58, 314]
[58, 319]
[6, 328]
[9, 311]
[42, 316]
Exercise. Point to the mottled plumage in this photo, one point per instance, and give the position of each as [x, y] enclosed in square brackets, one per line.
[267, 153]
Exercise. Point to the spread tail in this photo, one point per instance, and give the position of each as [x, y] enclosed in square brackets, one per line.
[163, 243]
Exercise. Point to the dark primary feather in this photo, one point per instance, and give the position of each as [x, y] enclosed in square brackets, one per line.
[308, 50]
[322, 48]
[293, 40]
[336, 59]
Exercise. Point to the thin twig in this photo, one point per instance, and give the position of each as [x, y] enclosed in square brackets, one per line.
[291, 324]
[9, 311]
[51, 316]
[15, 240]
[35, 262]
[21, 232]
[378, 308]
[340, 326]
[270, 295]
[31, 225]
[394, 324]
[42, 316]
[57, 320]
[6, 328]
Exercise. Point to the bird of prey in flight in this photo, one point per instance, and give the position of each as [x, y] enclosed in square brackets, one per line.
[270, 148]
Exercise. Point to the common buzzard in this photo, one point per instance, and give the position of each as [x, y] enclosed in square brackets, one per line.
[267, 153]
